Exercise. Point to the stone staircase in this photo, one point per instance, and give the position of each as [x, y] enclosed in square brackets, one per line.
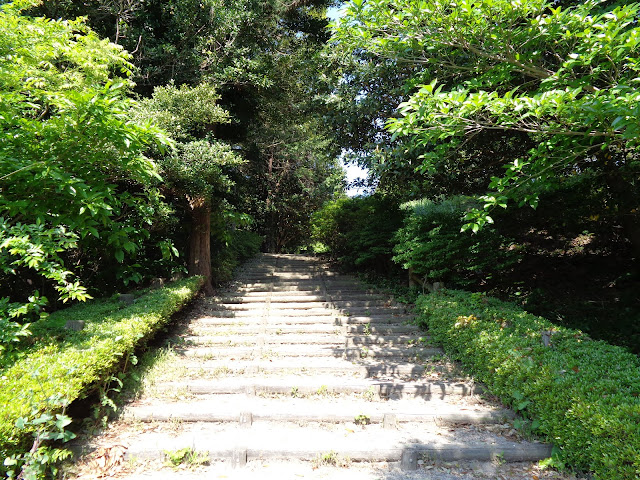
[296, 364]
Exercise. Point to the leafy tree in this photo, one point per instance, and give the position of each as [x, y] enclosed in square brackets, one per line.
[67, 144]
[263, 56]
[186, 41]
[431, 246]
[196, 168]
[563, 78]
[359, 232]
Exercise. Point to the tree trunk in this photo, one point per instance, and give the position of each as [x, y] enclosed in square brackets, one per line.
[200, 241]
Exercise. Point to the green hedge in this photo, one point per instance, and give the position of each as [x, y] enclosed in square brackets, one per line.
[583, 394]
[431, 244]
[66, 365]
[358, 232]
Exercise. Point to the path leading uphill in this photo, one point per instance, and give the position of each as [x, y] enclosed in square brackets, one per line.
[299, 372]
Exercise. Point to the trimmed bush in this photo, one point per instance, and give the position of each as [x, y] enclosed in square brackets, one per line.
[584, 395]
[65, 365]
[431, 244]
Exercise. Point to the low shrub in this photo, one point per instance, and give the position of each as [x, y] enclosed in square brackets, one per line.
[583, 395]
[64, 365]
[431, 244]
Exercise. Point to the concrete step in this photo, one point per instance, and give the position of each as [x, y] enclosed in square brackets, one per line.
[280, 367]
[369, 443]
[321, 408]
[289, 289]
[273, 306]
[285, 385]
[362, 368]
[345, 300]
[198, 328]
[355, 311]
[264, 297]
[259, 339]
[257, 312]
[229, 318]
[243, 351]
[335, 467]
[376, 319]
[306, 338]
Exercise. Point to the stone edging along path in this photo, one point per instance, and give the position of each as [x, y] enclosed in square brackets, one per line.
[296, 363]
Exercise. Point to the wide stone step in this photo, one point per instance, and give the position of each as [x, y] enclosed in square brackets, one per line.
[370, 443]
[304, 350]
[345, 300]
[280, 338]
[356, 310]
[257, 312]
[286, 385]
[288, 289]
[229, 319]
[275, 339]
[205, 329]
[309, 366]
[376, 319]
[383, 329]
[358, 295]
[198, 328]
[273, 306]
[322, 408]
[370, 305]
[387, 340]
[267, 297]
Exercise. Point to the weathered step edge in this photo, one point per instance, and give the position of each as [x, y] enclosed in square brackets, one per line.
[246, 418]
[378, 389]
[407, 455]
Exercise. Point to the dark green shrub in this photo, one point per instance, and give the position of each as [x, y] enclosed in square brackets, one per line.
[431, 244]
[584, 395]
[358, 232]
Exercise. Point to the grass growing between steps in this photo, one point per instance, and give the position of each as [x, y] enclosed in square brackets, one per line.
[63, 365]
[583, 395]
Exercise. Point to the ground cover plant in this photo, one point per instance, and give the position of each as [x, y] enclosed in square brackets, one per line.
[63, 365]
[582, 394]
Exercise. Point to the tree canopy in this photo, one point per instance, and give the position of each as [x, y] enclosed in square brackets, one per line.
[565, 77]
[68, 149]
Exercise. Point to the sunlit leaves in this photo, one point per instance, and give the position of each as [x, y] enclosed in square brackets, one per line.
[197, 165]
[566, 77]
[67, 142]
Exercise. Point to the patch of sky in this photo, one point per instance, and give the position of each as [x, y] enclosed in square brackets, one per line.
[335, 12]
[356, 175]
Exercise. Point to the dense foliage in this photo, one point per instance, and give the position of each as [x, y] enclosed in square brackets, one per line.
[58, 369]
[580, 393]
[564, 76]
[431, 246]
[519, 105]
[76, 188]
[357, 232]
[197, 170]
[264, 59]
